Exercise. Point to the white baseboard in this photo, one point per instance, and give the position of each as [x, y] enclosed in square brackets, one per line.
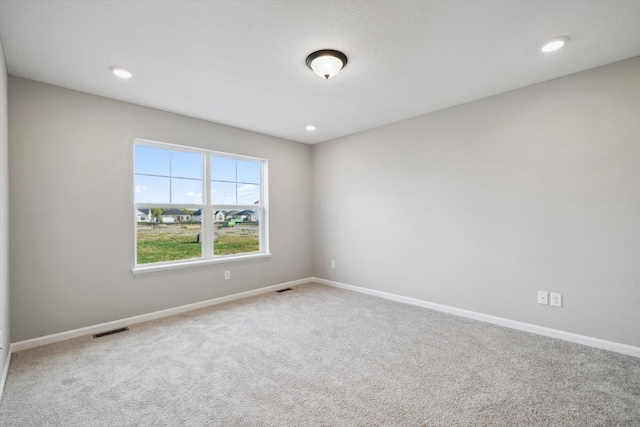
[102, 327]
[527, 327]
[5, 372]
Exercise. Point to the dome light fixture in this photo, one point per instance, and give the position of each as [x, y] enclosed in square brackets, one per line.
[310, 128]
[121, 72]
[326, 63]
[555, 44]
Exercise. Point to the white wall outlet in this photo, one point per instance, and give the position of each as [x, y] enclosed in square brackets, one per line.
[556, 300]
[543, 297]
[333, 264]
[227, 274]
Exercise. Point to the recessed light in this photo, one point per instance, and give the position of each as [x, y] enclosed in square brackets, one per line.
[310, 128]
[121, 72]
[555, 44]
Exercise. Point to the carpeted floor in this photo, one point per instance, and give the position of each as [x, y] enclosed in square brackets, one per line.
[320, 356]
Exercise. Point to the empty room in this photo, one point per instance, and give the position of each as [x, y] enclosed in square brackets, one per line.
[319, 213]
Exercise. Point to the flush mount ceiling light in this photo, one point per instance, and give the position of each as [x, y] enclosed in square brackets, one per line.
[310, 128]
[326, 63]
[555, 44]
[121, 72]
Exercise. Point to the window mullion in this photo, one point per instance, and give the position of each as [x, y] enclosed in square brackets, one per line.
[170, 177]
[207, 217]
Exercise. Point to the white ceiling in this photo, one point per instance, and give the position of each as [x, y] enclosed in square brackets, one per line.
[242, 63]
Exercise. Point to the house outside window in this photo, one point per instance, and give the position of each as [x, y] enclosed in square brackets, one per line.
[195, 206]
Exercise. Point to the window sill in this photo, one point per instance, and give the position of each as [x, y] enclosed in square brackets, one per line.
[197, 263]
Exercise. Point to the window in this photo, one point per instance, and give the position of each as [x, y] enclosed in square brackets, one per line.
[196, 206]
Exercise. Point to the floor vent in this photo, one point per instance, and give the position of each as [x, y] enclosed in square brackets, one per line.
[115, 331]
[284, 290]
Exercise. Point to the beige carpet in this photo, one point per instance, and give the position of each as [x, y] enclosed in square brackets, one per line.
[319, 356]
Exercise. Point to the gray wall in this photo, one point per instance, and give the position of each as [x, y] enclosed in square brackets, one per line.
[71, 210]
[4, 215]
[477, 207]
[481, 205]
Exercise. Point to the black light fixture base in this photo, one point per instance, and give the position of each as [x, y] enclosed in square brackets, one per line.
[326, 52]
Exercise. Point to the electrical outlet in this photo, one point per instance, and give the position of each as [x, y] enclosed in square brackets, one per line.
[227, 275]
[333, 264]
[543, 297]
[556, 300]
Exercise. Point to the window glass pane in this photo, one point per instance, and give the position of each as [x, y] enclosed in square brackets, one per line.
[248, 194]
[186, 165]
[171, 177]
[223, 193]
[151, 189]
[167, 235]
[186, 191]
[248, 172]
[223, 169]
[238, 233]
[152, 161]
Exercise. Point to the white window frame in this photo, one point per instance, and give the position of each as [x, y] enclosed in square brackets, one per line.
[207, 211]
